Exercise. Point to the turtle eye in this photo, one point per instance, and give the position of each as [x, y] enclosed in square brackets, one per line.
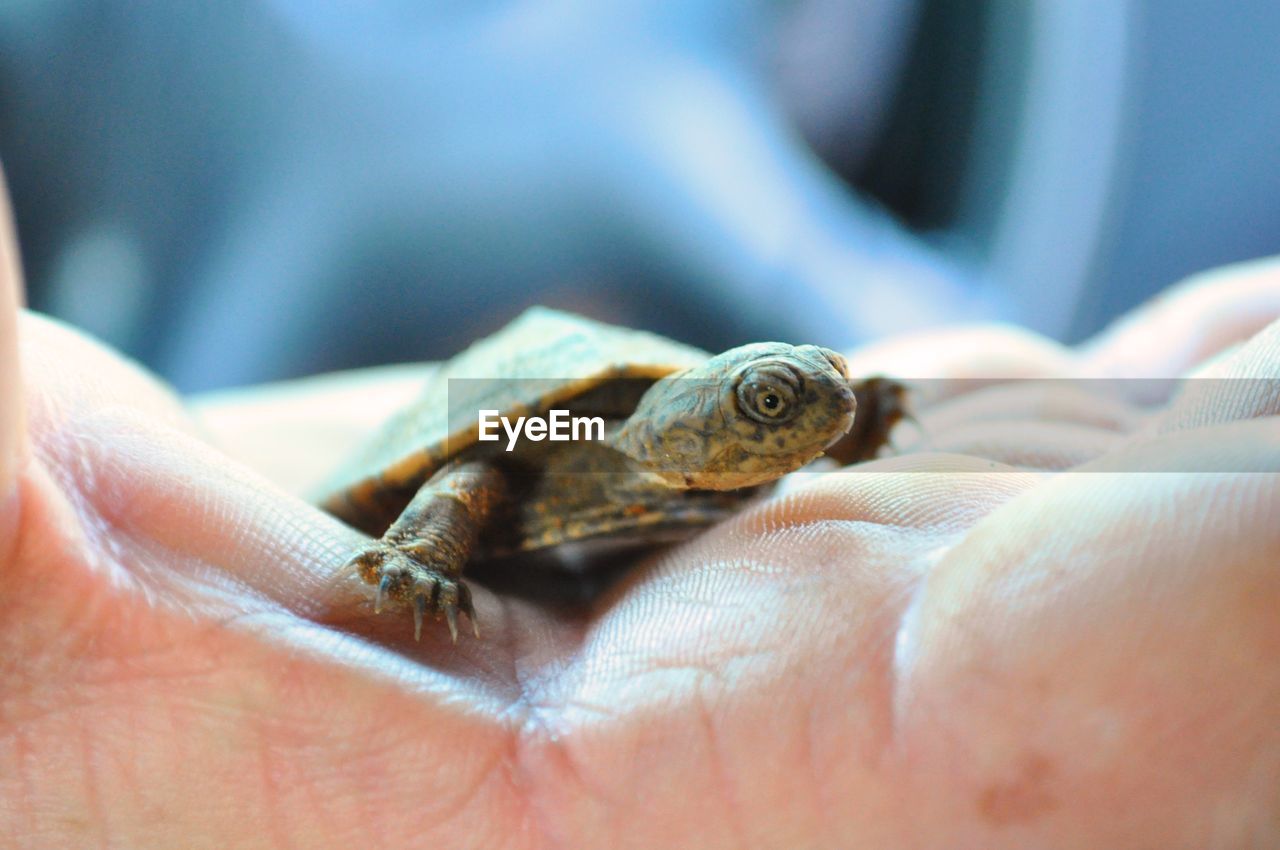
[768, 394]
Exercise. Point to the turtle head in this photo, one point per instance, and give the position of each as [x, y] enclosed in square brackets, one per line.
[745, 417]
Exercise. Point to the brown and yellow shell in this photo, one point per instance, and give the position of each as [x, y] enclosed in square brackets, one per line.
[543, 359]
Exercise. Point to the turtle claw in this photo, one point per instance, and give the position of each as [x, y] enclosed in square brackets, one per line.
[419, 608]
[427, 590]
[448, 605]
[466, 607]
[451, 614]
[384, 584]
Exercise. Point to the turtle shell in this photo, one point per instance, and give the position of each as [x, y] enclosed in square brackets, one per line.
[543, 359]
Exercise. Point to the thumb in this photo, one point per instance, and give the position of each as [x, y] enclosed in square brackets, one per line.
[11, 407]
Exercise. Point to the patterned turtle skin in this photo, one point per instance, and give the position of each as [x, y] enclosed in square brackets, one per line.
[688, 437]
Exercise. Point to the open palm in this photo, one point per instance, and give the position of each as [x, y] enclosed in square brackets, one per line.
[946, 648]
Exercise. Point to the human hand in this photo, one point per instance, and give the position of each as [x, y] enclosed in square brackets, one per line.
[937, 650]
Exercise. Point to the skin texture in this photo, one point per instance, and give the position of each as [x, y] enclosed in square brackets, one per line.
[936, 652]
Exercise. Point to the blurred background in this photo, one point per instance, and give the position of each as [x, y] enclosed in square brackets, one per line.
[258, 189]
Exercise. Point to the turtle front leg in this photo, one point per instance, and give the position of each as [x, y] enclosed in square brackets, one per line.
[420, 558]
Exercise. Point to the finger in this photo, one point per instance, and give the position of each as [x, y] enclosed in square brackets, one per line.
[189, 527]
[186, 525]
[11, 403]
[949, 362]
[1029, 444]
[1089, 640]
[965, 352]
[1189, 323]
[131, 465]
[1037, 424]
[297, 432]
[1244, 384]
[68, 376]
[1090, 404]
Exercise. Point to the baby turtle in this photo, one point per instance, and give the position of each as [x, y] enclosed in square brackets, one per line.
[685, 437]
